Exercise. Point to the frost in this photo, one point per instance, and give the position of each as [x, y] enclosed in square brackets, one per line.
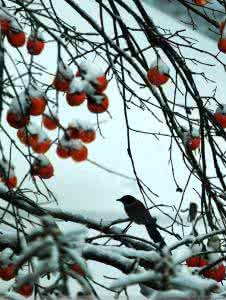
[75, 123]
[65, 71]
[161, 65]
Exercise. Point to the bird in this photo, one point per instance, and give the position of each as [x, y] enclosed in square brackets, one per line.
[139, 214]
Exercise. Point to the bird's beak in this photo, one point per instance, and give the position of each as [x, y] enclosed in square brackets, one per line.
[119, 199]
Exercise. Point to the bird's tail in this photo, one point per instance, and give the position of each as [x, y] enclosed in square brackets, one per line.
[155, 234]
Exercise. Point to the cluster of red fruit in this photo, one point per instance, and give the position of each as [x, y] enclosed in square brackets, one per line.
[17, 37]
[217, 273]
[88, 83]
[7, 272]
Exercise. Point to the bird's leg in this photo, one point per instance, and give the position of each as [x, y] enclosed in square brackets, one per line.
[127, 227]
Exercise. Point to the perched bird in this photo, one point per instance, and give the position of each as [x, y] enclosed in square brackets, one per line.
[139, 214]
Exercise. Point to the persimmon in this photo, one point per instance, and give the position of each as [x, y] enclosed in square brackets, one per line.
[11, 182]
[156, 77]
[38, 105]
[79, 154]
[42, 147]
[75, 99]
[196, 261]
[25, 290]
[5, 25]
[87, 135]
[217, 273]
[63, 151]
[50, 122]
[61, 85]
[194, 143]
[16, 120]
[200, 2]
[220, 119]
[7, 272]
[27, 138]
[35, 46]
[222, 44]
[99, 106]
[77, 269]
[73, 131]
[101, 84]
[16, 38]
[42, 167]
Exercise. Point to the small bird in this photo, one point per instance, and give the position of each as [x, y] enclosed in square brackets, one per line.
[139, 214]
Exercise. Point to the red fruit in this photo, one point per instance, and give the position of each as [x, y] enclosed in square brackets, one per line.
[62, 151]
[16, 39]
[216, 273]
[26, 138]
[7, 272]
[35, 47]
[42, 147]
[5, 25]
[76, 99]
[194, 143]
[17, 121]
[196, 261]
[49, 122]
[157, 78]
[77, 269]
[102, 84]
[26, 290]
[98, 107]
[200, 2]
[220, 118]
[79, 154]
[87, 136]
[73, 132]
[11, 182]
[61, 85]
[37, 106]
[44, 172]
[222, 45]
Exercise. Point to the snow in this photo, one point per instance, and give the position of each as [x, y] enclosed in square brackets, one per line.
[77, 85]
[3, 188]
[221, 109]
[65, 71]
[43, 160]
[20, 105]
[76, 144]
[5, 256]
[36, 35]
[35, 92]
[161, 65]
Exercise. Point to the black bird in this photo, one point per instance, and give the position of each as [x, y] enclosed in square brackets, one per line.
[139, 214]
